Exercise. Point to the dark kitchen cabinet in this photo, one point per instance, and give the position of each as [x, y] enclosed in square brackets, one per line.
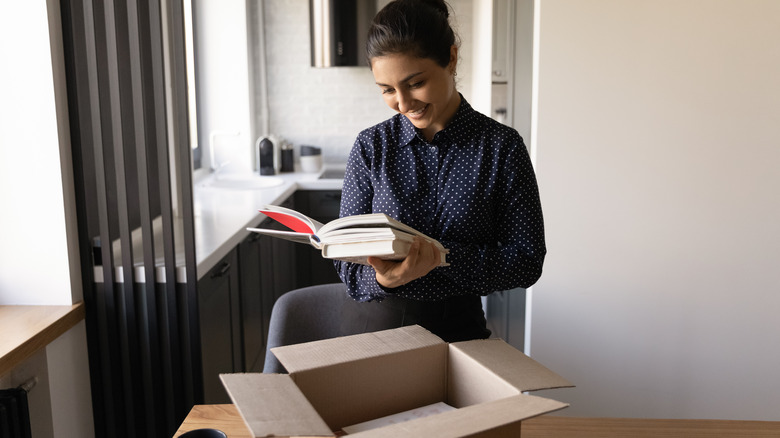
[237, 296]
[285, 272]
[323, 206]
[220, 326]
[267, 267]
[256, 298]
[506, 316]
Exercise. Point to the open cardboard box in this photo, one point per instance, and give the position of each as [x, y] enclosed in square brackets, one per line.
[339, 382]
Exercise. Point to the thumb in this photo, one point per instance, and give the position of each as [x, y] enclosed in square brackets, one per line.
[379, 265]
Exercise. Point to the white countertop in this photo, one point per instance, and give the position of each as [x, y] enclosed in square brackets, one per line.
[222, 215]
[221, 218]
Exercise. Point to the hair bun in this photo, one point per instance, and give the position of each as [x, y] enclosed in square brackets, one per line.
[420, 28]
[439, 5]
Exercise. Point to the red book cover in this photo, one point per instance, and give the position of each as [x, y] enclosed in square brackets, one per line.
[290, 222]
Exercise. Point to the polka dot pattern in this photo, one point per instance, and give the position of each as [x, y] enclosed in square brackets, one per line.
[472, 188]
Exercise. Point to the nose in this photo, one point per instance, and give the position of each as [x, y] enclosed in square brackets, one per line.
[404, 101]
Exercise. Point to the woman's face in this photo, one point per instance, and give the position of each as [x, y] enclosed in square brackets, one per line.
[418, 88]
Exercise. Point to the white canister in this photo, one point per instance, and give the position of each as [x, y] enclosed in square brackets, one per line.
[311, 159]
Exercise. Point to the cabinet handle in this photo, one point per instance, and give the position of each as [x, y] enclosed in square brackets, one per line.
[222, 271]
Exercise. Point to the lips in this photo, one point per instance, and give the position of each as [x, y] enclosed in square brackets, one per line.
[417, 114]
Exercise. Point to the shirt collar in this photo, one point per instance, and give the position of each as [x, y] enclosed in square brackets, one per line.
[409, 132]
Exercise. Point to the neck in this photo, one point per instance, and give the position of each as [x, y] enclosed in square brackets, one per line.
[452, 108]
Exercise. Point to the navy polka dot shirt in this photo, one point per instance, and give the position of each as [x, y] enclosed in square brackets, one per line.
[472, 188]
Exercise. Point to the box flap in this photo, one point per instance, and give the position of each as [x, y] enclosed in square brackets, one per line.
[511, 364]
[272, 405]
[345, 349]
[470, 382]
[469, 421]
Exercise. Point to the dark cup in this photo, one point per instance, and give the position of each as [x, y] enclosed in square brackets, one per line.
[204, 433]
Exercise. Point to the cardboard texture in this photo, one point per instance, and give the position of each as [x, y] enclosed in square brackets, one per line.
[339, 382]
[273, 402]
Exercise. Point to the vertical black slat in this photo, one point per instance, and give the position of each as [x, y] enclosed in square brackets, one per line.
[193, 371]
[104, 295]
[74, 45]
[124, 299]
[172, 387]
[99, 409]
[147, 330]
[128, 206]
[128, 196]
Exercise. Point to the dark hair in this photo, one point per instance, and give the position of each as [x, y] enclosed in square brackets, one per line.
[417, 27]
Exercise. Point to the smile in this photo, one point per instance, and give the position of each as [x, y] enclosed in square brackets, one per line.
[418, 113]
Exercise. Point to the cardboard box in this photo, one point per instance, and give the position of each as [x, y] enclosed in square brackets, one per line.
[339, 382]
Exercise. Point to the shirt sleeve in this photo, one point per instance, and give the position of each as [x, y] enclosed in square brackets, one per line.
[356, 198]
[515, 257]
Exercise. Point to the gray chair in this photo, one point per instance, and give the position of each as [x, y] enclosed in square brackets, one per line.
[305, 315]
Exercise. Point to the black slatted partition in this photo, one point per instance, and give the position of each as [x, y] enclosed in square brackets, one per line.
[135, 211]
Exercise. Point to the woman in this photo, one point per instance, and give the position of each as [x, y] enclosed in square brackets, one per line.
[446, 170]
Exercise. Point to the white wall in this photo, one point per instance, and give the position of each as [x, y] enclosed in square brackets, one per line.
[32, 223]
[658, 152]
[328, 107]
[39, 247]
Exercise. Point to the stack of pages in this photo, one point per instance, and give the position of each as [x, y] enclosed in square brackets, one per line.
[352, 239]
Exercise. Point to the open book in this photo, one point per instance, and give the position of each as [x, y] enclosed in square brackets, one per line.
[352, 239]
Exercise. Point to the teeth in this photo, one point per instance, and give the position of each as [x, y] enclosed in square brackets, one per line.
[419, 111]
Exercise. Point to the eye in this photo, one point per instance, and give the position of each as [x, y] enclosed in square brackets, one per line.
[387, 90]
[417, 84]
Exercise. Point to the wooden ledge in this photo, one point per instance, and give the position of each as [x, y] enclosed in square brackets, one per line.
[27, 329]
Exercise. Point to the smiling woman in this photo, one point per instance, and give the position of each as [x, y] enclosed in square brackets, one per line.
[419, 89]
[452, 173]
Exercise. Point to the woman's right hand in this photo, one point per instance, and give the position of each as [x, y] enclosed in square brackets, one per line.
[423, 257]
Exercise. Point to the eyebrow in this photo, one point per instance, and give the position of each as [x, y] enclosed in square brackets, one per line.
[406, 79]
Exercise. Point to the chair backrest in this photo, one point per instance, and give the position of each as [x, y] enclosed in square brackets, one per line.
[304, 315]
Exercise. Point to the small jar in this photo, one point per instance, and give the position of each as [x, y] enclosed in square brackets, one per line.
[311, 159]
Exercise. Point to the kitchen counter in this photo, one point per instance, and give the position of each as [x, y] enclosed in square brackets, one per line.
[222, 215]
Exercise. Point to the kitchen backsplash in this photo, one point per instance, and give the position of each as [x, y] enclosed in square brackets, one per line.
[328, 107]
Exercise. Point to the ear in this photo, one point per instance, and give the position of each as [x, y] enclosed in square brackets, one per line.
[452, 67]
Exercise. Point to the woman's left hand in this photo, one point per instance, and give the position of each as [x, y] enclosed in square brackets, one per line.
[423, 257]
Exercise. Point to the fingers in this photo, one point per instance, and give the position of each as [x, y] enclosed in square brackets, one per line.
[426, 256]
[379, 265]
[422, 258]
[388, 273]
[414, 253]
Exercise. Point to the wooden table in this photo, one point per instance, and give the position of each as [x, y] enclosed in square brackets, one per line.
[223, 417]
[227, 419]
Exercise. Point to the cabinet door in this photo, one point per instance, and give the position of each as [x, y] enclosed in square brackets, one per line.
[506, 316]
[268, 270]
[220, 326]
[285, 271]
[255, 283]
[502, 39]
[258, 295]
[322, 205]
